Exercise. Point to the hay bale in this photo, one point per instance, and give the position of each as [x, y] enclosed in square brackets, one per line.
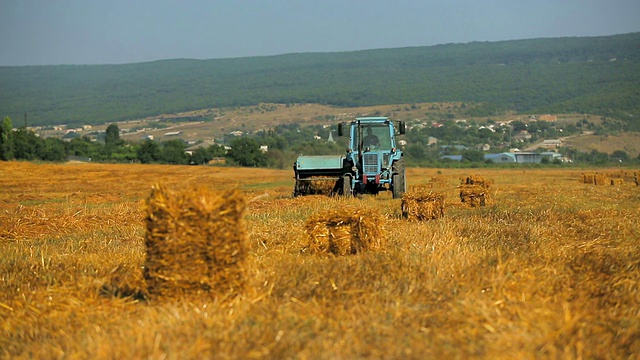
[601, 179]
[318, 185]
[474, 195]
[196, 243]
[476, 180]
[346, 231]
[422, 205]
[596, 179]
[617, 182]
[588, 178]
[474, 191]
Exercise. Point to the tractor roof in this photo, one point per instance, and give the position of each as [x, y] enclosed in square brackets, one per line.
[373, 119]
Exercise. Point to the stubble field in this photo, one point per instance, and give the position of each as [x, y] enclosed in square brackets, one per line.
[549, 269]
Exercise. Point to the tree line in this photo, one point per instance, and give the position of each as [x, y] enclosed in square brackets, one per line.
[285, 142]
[24, 144]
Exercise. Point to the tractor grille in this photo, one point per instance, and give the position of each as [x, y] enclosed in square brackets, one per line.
[370, 163]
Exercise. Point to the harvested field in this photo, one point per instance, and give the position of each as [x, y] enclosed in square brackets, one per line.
[549, 269]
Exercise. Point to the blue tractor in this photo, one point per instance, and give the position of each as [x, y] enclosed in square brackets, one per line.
[372, 163]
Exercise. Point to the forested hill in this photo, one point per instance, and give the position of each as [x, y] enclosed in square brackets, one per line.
[598, 75]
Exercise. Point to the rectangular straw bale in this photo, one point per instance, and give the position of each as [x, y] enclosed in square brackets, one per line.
[319, 185]
[617, 181]
[477, 180]
[600, 179]
[596, 178]
[422, 205]
[345, 231]
[196, 242]
[588, 178]
[474, 195]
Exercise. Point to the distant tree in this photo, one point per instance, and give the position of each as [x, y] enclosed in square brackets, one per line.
[148, 152]
[620, 155]
[246, 152]
[217, 150]
[598, 158]
[52, 149]
[79, 147]
[173, 152]
[518, 126]
[279, 159]
[416, 151]
[485, 134]
[112, 136]
[204, 155]
[473, 155]
[125, 153]
[25, 144]
[200, 156]
[6, 139]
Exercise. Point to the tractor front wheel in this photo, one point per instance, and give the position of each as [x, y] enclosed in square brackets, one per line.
[346, 185]
[399, 185]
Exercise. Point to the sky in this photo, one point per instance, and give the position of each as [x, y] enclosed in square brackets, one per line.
[53, 32]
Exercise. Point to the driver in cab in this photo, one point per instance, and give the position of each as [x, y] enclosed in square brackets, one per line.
[371, 140]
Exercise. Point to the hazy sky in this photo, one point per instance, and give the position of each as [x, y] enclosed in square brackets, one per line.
[45, 32]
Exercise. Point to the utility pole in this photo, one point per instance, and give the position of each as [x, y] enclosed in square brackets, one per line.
[25, 120]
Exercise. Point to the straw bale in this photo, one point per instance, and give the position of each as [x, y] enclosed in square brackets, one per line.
[588, 178]
[601, 179]
[320, 185]
[596, 179]
[422, 205]
[617, 181]
[196, 242]
[474, 195]
[345, 231]
[476, 180]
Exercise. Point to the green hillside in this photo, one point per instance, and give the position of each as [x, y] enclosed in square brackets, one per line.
[599, 75]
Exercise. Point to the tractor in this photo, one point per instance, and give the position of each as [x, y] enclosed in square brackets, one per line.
[372, 162]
